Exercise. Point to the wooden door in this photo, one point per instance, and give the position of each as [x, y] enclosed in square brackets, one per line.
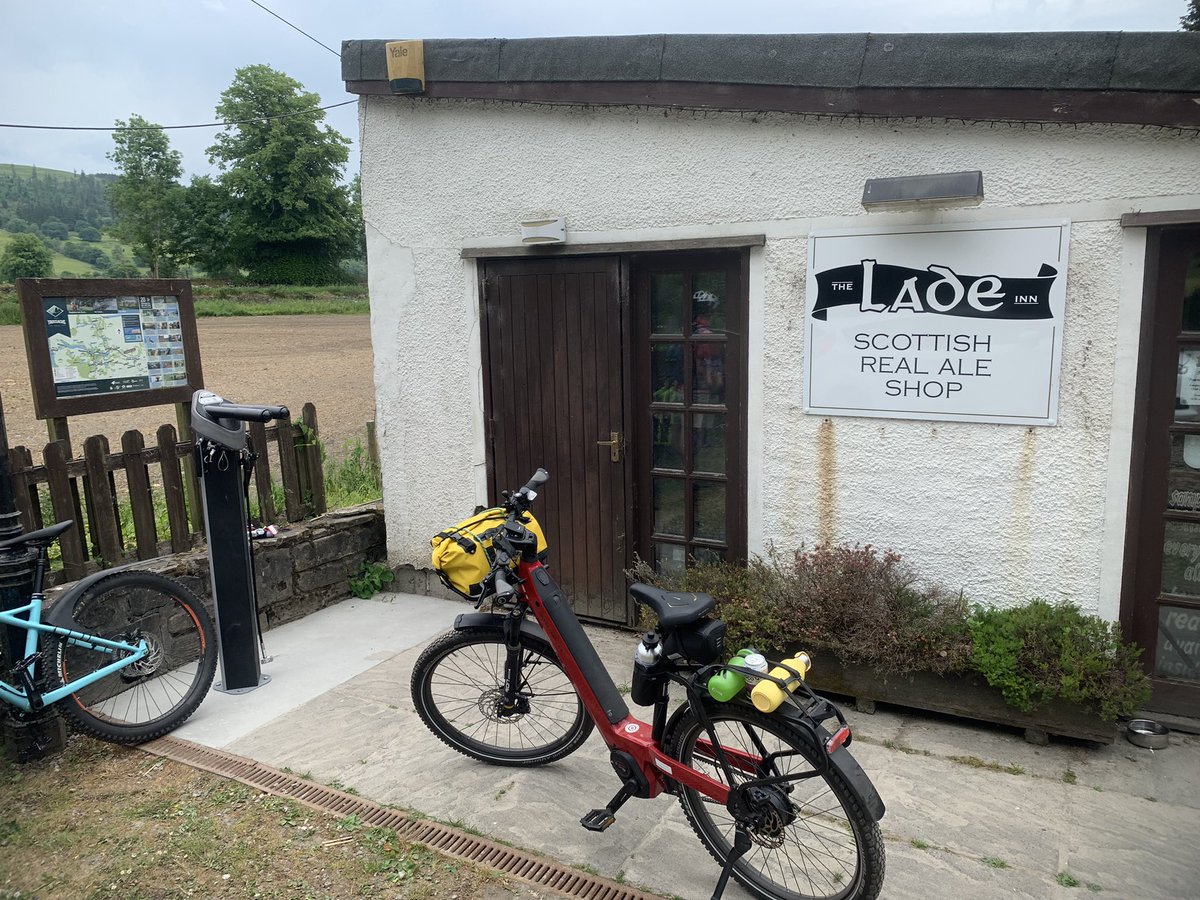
[1163, 609]
[689, 399]
[555, 385]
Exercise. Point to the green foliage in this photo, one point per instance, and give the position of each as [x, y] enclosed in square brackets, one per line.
[52, 228]
[1040, 651]
[147, 197]
[280, 212]
[26, 257]
[862, 603]
[351, 479]
[866, 606]
[1066, 879]
[89, 234]
[1190, 20]
[370, 579]
[30, 197]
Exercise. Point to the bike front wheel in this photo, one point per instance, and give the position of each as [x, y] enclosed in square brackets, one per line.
[812, 840]
[458, 689]
[154, 695]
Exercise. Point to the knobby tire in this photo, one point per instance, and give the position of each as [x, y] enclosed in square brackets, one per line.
[156, 694]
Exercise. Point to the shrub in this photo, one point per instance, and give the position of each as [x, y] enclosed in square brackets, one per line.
[863, 604]
[867, 606]
[1040, 651]
[26, 257]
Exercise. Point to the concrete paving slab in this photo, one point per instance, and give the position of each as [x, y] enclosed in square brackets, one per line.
[312, 655]
[361, 730]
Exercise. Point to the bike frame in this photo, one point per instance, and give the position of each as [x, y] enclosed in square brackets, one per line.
[27, 697]
[628, 734]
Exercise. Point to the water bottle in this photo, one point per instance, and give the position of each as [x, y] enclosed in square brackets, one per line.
[767, 695]
[726, 685]
[644, 689]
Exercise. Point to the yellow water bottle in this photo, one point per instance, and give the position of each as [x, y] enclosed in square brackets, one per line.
[767, 695]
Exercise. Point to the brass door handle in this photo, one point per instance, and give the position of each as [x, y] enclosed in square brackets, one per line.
[614, 445]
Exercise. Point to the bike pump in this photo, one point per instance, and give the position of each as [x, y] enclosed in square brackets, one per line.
[222, 452]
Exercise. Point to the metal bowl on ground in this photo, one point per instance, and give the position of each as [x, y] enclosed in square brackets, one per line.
[1148, 733]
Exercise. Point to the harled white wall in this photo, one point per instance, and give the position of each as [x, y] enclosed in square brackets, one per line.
[1003, 512]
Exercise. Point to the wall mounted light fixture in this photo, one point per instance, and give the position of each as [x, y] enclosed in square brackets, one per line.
[544, 231]
[914, 191]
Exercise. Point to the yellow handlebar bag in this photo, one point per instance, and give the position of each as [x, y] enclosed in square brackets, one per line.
[463, 554]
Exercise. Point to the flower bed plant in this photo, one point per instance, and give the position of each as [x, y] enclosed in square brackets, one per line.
[867, 607]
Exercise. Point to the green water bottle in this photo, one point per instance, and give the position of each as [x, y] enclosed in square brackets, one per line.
[726, 685]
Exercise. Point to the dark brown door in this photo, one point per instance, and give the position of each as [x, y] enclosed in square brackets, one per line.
[554, 379]
[689, 402]
[1163, 609]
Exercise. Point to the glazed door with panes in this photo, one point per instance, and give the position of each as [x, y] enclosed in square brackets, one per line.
[1166, 599]
[689, 397]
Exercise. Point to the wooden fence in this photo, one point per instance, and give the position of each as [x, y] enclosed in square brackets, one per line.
[92, 490]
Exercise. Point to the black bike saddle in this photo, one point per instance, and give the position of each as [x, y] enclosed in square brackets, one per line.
[672, 609]
[43, 538]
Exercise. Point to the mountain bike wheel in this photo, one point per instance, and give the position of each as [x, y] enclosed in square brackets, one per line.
[814, 840]
[458, 689]
[158, 692]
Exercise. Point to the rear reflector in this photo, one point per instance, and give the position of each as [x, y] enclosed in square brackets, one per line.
[839, 738]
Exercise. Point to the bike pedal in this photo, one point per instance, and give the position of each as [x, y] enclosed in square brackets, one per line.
[598, 819]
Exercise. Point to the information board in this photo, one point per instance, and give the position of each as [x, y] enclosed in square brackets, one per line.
[951, 322]
[97, 345]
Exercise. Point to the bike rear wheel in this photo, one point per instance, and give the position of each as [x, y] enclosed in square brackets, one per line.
[157, 693]
[458, 690]
[814, 839]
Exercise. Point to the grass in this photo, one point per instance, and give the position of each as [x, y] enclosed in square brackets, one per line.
[994, 862]
[107, 821]
[1066, 879]
[1069, 776]
[976, 763]
[224, 301]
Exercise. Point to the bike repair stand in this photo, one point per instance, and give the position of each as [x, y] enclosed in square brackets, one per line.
[223, 455]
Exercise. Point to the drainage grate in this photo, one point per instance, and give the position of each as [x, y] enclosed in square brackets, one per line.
[534, 870]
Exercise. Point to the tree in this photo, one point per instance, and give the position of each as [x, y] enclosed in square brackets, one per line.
[287, 218]
[1191, 19]
[147, 196]
[26, 257]
[52, 228]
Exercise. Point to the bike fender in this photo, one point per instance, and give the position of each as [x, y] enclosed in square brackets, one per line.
[496, 621]
[847, 766]
[59, 612]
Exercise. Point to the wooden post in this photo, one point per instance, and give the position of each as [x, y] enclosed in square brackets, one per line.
[373, 449]
[25, 491]
[262, 472]
[191, 481]
[181, 536]
[95, 453]
[141, 498]
[56, 456]
[316, 471]
[60, 431]
[289, 470]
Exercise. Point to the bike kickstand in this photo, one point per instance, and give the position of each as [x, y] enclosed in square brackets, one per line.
[741, 843]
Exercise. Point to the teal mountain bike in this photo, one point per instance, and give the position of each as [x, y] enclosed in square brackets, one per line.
[126, 654]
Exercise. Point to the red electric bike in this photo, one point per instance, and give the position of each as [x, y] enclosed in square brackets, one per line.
[775, 797]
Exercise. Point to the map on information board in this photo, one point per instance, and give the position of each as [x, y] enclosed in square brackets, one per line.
[106, 345]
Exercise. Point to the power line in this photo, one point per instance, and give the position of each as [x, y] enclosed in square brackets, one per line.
[302, 31]
[298, 112]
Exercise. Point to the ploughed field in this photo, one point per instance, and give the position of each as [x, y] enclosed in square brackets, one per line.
[289, 360]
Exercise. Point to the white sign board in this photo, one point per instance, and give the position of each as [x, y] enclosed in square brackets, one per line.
[950, 322]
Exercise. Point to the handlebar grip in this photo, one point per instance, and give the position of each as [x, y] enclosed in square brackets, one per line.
[540, 477]
[246, 413]
[501, 584]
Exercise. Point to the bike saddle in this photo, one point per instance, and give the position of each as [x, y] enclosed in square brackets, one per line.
[672, 609]
[43, 538]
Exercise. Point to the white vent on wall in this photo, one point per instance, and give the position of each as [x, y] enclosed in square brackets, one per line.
[544, 231]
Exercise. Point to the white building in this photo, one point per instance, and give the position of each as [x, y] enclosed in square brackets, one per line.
[699, 383]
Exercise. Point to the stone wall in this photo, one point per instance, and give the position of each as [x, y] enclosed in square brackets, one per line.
[305, 568]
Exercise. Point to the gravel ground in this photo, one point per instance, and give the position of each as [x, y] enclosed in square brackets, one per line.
[286, 360]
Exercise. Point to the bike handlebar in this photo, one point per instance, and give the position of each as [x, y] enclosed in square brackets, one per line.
[247, 413]
[540, 477]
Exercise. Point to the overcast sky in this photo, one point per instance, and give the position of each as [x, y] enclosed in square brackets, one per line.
[89, 62]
